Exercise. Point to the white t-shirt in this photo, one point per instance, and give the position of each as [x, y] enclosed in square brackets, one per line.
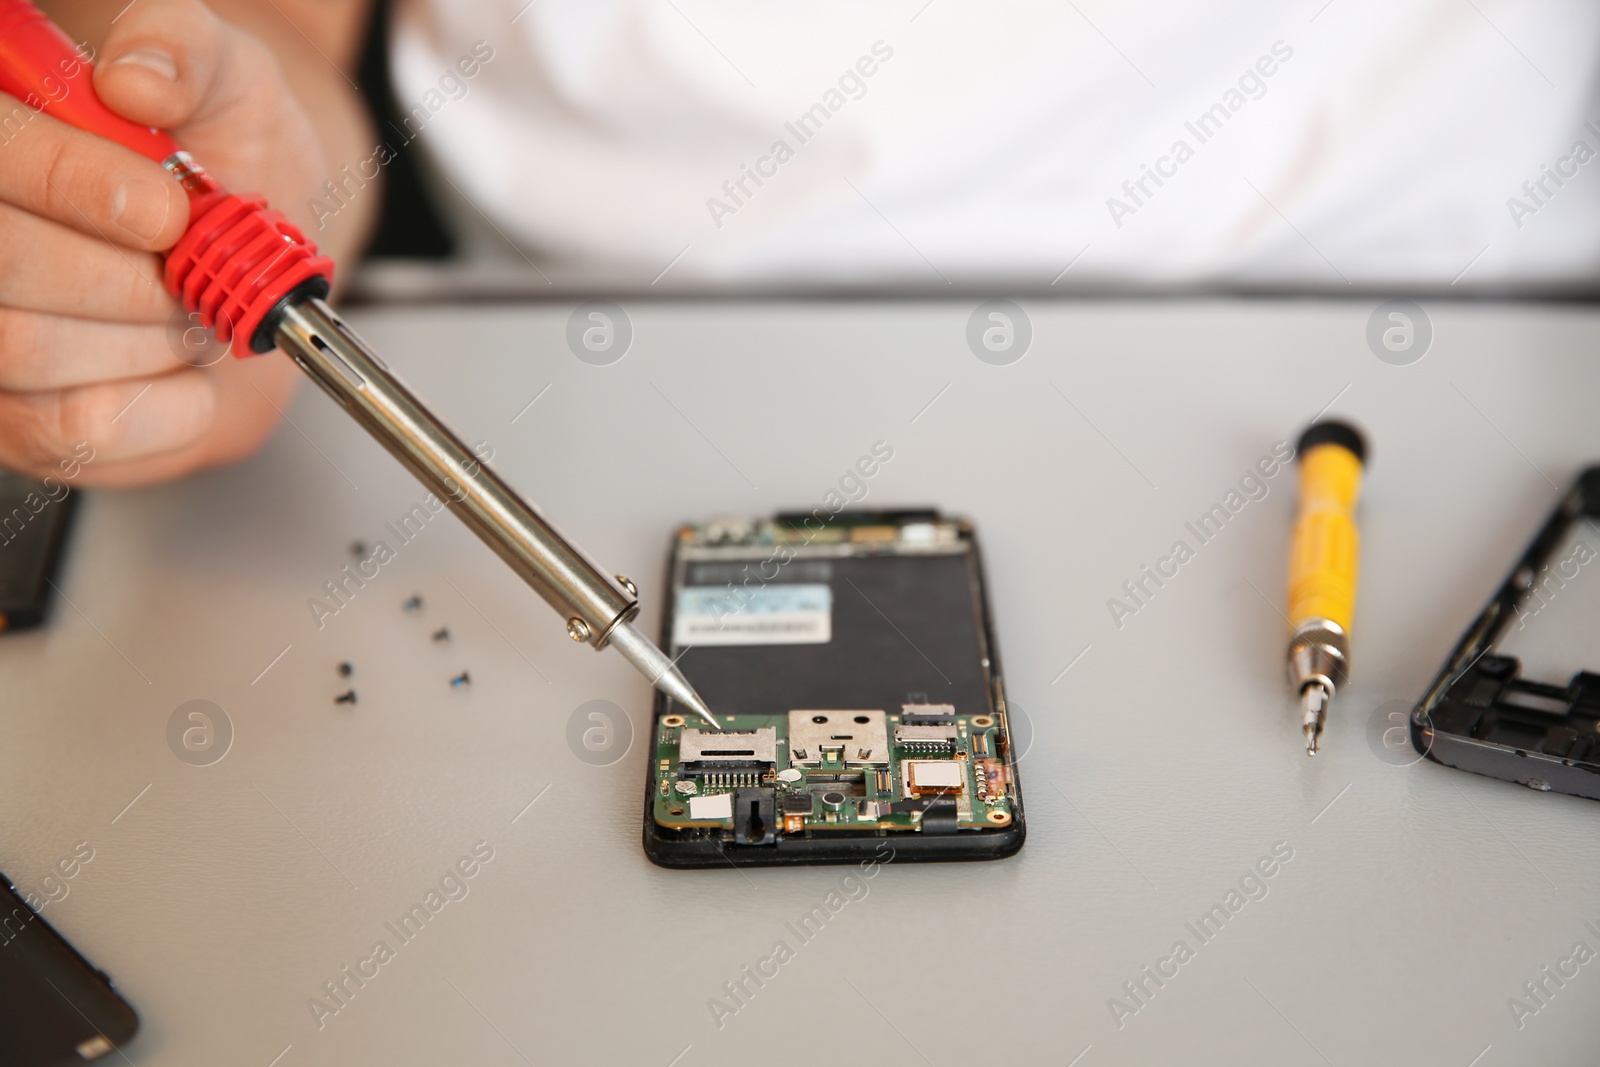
[1323, 145]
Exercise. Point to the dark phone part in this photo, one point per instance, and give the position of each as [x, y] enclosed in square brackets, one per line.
[34, 519]
[1480, 716]
[55, 1008]
[852, 662]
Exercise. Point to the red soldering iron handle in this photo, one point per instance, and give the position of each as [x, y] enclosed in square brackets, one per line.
[239, 261]
[40, 66]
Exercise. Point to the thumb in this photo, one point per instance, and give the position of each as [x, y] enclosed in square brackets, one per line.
[175, 64]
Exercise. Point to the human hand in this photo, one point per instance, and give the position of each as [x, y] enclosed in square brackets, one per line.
[91, 346]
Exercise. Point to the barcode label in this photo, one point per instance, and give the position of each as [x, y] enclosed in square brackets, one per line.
[795, 614]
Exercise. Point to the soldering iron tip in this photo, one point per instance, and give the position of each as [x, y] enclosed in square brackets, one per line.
[705, 713]
[662, 672]
[678, 688]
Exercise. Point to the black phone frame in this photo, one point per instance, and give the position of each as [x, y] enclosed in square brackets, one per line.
[1480, 715]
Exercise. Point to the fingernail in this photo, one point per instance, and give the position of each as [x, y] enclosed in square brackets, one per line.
[151, 59]
[141, 207]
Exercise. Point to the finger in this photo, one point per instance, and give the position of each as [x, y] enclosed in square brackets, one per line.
[176, 65]
[39, 353]
[160, 61]
[48, 267]
[87, 182]
[250, 395]
[119, 420]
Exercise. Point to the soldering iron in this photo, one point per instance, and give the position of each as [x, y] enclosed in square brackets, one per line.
[252, 277]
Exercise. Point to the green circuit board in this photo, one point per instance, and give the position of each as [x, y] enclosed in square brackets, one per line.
[921, 768]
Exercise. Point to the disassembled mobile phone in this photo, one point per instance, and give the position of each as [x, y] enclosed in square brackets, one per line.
[55, 1008]
[850, 660]
[1481, 714]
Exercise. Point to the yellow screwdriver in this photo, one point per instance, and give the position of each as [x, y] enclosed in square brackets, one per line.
[1322, 568]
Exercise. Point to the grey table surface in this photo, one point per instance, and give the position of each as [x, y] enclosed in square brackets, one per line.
[1164, 760]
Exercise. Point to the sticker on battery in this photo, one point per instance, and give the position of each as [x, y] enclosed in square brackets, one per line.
[792, 614]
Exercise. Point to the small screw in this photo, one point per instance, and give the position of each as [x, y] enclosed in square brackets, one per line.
[442, 634]
[346, 670]
[412, 604]
[460, 680]
[627, 583]
[358, 549]
[577, 629]
[347, 697]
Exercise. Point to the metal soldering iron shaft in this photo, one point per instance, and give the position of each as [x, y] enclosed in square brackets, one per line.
[598, 608]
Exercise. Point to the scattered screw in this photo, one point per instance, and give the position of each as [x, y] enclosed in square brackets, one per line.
[347, 697]
[460, 680]
[346, 669]
[358, 549]
[442, 634]
[413, 604]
